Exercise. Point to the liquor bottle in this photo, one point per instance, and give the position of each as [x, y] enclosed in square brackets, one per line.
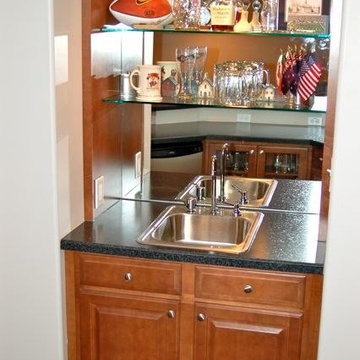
[223, 15]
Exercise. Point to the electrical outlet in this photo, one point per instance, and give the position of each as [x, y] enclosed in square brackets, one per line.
[315, 120]
[138, 164]
[98, 191]
[241, 117]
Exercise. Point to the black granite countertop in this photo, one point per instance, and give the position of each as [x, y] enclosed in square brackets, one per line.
[285, 241]
[190, 131]
[301, 196]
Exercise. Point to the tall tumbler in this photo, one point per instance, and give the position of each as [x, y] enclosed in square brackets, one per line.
[186, 14]
[270, 15]
[186, 58]
[198, 72]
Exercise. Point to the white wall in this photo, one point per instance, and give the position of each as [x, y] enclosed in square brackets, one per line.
[31, 309]
[68, 81]
[235, 115]
[340, 324]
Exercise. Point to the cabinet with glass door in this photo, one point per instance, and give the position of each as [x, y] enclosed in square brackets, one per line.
[262, 160]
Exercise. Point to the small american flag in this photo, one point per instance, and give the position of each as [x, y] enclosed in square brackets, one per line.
[310, 72]
[288, 77]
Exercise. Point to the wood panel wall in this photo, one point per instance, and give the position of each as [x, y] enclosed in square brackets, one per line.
[112, 132]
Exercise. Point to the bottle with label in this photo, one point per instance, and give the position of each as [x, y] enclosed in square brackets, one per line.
[223, 14]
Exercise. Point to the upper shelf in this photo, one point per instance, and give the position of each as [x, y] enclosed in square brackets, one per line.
[283, 33]
[319, 105]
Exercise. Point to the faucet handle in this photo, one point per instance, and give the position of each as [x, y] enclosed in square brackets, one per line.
[190, 204]
[200, 192]
[236, 210]
[243, 198]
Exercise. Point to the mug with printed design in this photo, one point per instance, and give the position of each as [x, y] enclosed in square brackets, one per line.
[170, 78]
[148, 86]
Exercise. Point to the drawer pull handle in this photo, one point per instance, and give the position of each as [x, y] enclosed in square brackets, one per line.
[248, 289]
[127, 276]
[201, 317]
[171, 314]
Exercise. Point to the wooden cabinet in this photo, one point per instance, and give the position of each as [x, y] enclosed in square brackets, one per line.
[253, 315]
[127, 308]
[114, 326]
[263, 160]
[240, 333]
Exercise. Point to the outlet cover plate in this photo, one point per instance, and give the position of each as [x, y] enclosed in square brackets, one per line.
[138, 164]
[315, 120]
[98, 191]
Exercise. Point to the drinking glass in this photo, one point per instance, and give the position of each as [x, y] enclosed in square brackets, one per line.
[198, 72]
[186, 58]
[269, 15]
[186, 14]
[277, 163]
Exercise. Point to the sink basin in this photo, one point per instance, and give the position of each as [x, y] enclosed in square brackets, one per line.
[201, 230]
[258, 191]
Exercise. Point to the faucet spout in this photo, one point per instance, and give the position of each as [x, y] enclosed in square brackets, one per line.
[224, 156]
[214, 209]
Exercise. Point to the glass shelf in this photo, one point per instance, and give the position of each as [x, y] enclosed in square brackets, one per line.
[284, 33]
[277, 106]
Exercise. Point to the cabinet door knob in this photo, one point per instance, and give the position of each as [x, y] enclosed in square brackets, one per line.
[201, 317]
[251, 152]
[261, 152]
[248, 289]
[171, 314]
[128, 276]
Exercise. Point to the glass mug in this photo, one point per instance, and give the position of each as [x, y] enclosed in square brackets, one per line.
[149, 82]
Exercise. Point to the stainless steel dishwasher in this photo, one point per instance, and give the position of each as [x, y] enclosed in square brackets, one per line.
[177, 156]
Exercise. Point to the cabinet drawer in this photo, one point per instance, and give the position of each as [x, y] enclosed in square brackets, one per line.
[130, 274]
[247, 286]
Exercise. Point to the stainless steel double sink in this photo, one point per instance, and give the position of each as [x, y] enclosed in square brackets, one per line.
[258, 191]
[224, 231]
[203, 231]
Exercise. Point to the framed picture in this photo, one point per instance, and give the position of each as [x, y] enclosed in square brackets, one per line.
[302, 8]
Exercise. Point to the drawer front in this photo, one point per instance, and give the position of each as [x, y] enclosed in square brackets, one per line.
[130, 274]
[247, 286]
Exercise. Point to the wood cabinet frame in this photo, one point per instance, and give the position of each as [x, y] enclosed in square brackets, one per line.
[299, 315]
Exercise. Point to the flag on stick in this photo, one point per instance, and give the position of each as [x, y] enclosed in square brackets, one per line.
[279, 70]
[310, 72]
[288, 77]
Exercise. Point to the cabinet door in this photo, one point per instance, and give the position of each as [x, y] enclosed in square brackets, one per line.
[128, 328]
[240, 162]
[228, 333]
[285, 162]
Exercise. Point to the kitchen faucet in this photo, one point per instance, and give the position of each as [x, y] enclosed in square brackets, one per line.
[224, 156]
[214, 209]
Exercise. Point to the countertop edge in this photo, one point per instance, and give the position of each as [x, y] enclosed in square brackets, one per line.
[198, 258]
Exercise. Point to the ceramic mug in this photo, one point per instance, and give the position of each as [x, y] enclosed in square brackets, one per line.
[149, 82]
[170, 78]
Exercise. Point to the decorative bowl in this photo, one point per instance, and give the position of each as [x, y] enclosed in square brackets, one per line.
[147, 12]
